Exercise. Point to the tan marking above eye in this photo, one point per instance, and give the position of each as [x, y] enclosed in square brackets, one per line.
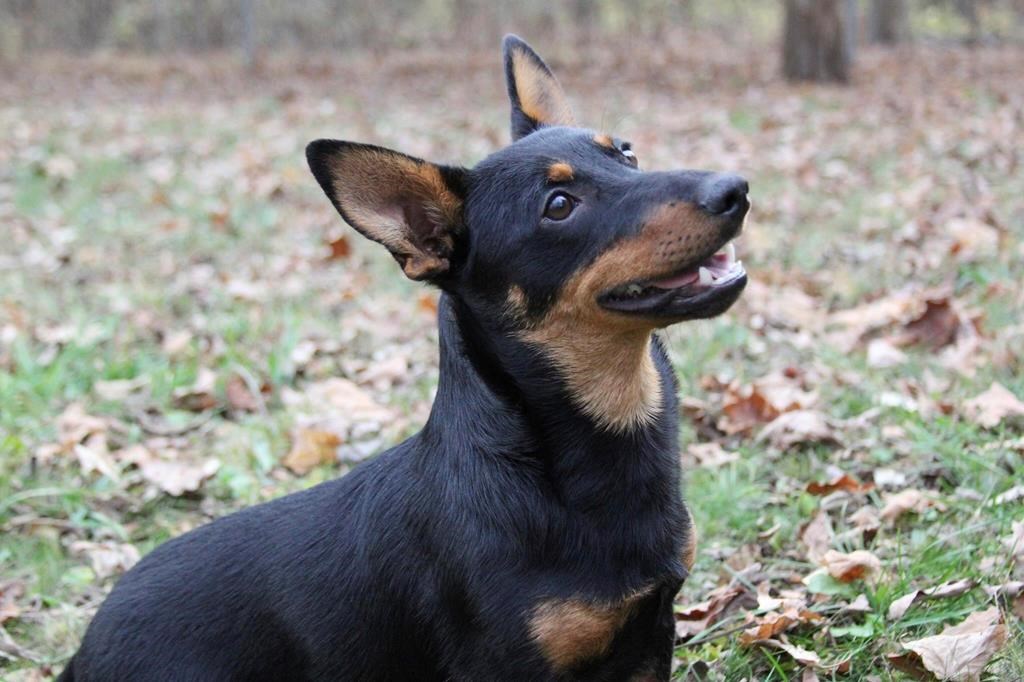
[560, 172]
[570, 631]
[605, 140]
[605, 357]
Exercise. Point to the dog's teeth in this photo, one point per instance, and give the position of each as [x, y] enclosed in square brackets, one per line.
[730, 253]
[705, 276]
[634, 290]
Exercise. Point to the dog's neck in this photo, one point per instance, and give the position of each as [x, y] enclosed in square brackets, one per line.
[509, 397]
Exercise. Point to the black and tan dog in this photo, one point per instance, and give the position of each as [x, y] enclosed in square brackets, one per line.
[534, 529]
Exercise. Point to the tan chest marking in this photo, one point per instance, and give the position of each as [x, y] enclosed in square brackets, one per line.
[570, 631]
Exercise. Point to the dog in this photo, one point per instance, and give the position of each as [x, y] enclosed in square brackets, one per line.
[535, 528]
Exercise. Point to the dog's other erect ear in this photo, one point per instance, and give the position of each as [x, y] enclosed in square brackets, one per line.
[412, 207]
[537, 98]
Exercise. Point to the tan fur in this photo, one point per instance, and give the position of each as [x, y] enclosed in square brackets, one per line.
[516, 304]
[570, 631]
[369, 185]
[540, 96]
[604, 140]
[560, 172]
[605, 357]
[690, 549]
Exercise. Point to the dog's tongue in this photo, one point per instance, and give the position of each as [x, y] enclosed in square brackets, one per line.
[677, 281]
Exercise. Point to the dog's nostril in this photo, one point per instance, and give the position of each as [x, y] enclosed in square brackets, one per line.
[724, 194]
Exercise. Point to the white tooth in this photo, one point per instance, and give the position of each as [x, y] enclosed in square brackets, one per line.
[738, 265]
[705, 276]
[730, 253]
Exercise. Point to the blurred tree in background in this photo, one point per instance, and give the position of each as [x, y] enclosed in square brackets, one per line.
[251, 26]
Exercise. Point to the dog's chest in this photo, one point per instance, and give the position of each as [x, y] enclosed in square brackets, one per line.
[569, 631]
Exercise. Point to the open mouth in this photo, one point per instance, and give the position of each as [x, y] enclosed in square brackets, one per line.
[702, 290]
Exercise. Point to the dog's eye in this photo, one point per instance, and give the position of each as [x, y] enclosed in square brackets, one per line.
[559, 206]
[630, 156]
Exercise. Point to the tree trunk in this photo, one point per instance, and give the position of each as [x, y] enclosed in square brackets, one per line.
[815, 41]
[888, 21]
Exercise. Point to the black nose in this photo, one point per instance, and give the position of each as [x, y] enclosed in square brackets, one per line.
[724, 194]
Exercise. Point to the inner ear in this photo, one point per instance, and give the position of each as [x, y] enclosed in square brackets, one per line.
[536, 96]
[411, 206]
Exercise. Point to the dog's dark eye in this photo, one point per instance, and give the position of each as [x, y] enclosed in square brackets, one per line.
[627, 152]
[559, 206]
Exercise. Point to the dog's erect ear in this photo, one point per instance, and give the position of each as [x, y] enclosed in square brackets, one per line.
[412, 207]
[537, 98]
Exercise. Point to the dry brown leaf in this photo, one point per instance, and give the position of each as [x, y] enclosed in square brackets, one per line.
[798, 427]
[865, 519]
[710, 455]
[310, 449]
[960, 652]
[883, 354]
[951, 588]
[1014, 543]
[744, 407]
[74, 426]
[340, 248]
[766, 627]
[990, 408]
[170, 472]
[107, 558]
[240, 396]
[844, 482]
[817, 536]
[10, 592]
[200, 396]
[1011, 495]
[695, 618]
[800, 655]
[909, 500]
[857, 565]
[934, 328]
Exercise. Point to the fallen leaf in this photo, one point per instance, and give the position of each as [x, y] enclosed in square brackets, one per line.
[934, 328]
[696, 618]
[199, 397]
[1013, 494]
[766, 627]
[990, 408]
[909, 500]
[340, 248]
[107, 558]
[310, 449]
[817, 536]
[10, 592]
[883, 354]
[796, 428]
[1014, 543]
[240, 396]
[170, 472]
[844, 482]
[800, 655]
[711, 455]
[959, 652]
[744, 407]
[857, 565]
[951, 588]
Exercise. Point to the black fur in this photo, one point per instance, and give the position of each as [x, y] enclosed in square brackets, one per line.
[427, 562]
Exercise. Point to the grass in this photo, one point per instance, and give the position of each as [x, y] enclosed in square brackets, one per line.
[157, 233]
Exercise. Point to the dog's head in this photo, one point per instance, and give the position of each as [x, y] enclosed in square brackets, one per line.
[559, 235]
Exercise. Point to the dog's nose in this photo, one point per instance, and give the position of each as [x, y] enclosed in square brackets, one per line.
[724, 194]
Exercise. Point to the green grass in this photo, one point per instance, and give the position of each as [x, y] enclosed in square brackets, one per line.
[196, 220]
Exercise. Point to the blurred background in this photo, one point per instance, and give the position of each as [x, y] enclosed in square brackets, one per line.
[187, 327]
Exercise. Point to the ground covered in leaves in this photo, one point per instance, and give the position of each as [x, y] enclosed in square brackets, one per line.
[186, 328]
